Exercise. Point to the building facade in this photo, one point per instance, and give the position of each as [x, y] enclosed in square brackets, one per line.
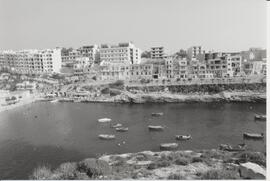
[157, 52]
[125, 53]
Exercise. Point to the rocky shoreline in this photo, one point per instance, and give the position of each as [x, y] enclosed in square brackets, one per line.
[205, 164]
[127, 97]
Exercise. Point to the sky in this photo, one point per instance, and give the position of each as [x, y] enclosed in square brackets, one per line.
[221, 25]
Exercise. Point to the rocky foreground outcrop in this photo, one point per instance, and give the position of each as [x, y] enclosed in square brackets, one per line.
[206, 164]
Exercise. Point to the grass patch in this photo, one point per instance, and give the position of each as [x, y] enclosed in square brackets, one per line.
[220, 174]
[176, 176]
[41, 173]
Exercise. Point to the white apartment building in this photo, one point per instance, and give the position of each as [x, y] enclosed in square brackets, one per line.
[33, 61]
[234, 65]
[193, 52]
[89, 51]
[82, 65]
[122, 53]
[157, 52]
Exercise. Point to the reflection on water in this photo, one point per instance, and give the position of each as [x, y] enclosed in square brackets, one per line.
[45, 133]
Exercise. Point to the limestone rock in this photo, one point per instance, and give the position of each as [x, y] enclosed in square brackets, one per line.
[252, 171]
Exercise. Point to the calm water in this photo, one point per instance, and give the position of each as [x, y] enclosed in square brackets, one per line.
[47, 133]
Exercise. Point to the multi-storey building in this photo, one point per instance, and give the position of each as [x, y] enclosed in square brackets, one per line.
[254, 67]
[33, 61]
[91, 52]
[234, 65]
[122, 53]
[217, 66]
[157, 52]
[195, 52]
[82, 65]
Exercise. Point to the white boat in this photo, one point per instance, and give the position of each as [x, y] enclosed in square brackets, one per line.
[55, 101]
[157, 114]
[253, 135]
[104, 120]
[155, 128]
[260, 117]
[106, 136]
[121, 129]
[183, 137]
[116, 125]
[168, 146]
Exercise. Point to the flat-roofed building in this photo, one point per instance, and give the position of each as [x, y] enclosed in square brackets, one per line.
[195, 52]
[234, 65]
[157, 52]
[122, 53]
[33, 61]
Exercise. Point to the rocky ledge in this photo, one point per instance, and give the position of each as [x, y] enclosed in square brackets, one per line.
[225, 96]
[206, 164]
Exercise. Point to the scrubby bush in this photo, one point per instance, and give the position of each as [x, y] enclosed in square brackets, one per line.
[67, 171]
[41, 173]
[119, 84]
[181, 161]
[176, 176]
[220, 174]
[197, 159]
[106, 90]
[94, 167]
[114, 92]
[255, 157]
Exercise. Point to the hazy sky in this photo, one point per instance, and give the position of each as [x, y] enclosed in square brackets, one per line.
[228, 25]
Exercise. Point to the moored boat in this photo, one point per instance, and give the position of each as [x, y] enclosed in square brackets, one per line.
[260, 117]
[106, 136]
[116, 125]
[121, 129]
[155, 128]
[104, 120]
[157, 114]
[168, 146]
[183, 137]
[253, 135]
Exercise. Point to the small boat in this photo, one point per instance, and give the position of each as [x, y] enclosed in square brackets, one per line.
[183, 137]
[155, 128]
[227, 147]
[121, 129]
[55, 101]
[157, 114]
[104, 120]
[106, 136]
[253, 136]
[260, 117]
[168, 146]
[116, 125]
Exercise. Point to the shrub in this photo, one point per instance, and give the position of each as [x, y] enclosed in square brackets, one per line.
[254, 157]
[41, 173]
[94, 168]
[196, 159]
[114, 92]
[67, 171]
[105, 90]
[220, 174]
[119, 84]
[181, 161]
[176, 176]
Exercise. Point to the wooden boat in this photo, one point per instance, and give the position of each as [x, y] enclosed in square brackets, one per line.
[183, 137]
[155, 128]
[104, 120]
[106, 136]
[253, 136]
[157, 114]
[168, 146]
[116, 125]
[121, 129]
[260, 117]
[227, 147]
